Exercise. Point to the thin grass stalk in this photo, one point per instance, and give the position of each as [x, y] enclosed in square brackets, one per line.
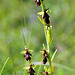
[24, 22]
[4, 65]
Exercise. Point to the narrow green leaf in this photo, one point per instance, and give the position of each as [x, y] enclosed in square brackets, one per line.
[53, 55]
[4, 65]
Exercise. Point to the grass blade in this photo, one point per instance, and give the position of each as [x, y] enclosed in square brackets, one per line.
[4, 65]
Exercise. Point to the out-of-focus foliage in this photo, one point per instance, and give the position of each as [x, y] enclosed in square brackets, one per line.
[12, 29]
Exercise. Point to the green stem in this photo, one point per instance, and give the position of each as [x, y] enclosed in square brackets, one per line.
[50, 60]
[43, 8]
[45, 29]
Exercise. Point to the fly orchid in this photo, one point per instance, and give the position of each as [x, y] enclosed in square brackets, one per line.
[46, 17]
[47, 71]
[38, 2]
[27, 54]
[31, 69]
[45, 56]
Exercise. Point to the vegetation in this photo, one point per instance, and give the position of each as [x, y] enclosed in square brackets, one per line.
[12, 28]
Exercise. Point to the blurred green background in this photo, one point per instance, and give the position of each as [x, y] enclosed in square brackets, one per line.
[12, 29]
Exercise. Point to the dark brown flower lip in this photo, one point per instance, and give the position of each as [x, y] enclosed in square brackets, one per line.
[46, 17]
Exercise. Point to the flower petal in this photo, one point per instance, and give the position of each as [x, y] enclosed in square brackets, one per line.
[45, 68]
[41, 52]
[23, 52]
[40, 13]
[26, 67]
[34, 66]
[48, 69]
[48, 11]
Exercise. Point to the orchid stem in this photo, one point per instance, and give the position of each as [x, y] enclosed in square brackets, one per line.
[45, 30]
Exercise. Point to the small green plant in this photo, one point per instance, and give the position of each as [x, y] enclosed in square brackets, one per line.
[46, 49]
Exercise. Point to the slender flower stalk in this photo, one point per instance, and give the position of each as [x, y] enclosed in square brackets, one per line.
[47, 34]
[47, 29]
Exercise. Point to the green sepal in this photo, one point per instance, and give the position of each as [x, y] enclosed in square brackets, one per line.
[33, 66]
[45, 68]
[23, 52]
[49, 70]
[41, 52]
[40, 13]
[48, 11]
[29, 67]
[26, 67]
